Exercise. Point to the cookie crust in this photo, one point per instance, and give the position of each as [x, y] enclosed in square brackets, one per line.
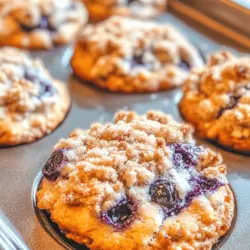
[141, 9]
[96, 177]
[217, 101]
[147, 60]
[40, 24]
[30, 107]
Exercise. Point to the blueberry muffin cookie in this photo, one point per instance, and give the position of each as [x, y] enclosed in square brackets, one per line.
[217, 101]
[126, 55]
[141, 183]
[142, 9]
[32, 103]
[40, 24]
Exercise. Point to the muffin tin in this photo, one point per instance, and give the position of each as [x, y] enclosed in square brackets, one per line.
[20, 165]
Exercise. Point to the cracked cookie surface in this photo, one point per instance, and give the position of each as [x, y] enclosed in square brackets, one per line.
[32, 103]
[126, 55]
[39, 24]
[142, 9]
[140, 183]
[217, 101]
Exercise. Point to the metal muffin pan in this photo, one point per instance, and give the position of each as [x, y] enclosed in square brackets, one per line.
[20, 165]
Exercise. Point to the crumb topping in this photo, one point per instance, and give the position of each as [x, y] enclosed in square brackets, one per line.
[219, 95]
[22, 94]
[141, 181]
[30, 99]
[44, 20]
[138, 53]
[111, 161]
[136, 8]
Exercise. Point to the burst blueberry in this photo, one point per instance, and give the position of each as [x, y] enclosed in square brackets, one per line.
[185, 155]
[54, 165]
[232, 103]
[121, 215]
[137, 60]
[184, 65]
[34, 75]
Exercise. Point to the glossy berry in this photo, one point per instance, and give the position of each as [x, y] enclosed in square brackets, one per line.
[232, 103]
[184, 65]
[34, 75]
[121, 215]
[206, 184]
[137, 60]
[185, 155]
[164, 193]
[52, 169]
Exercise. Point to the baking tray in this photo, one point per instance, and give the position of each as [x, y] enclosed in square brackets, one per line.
[20, 165]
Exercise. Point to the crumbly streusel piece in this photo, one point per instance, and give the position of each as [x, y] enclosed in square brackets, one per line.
[217, 101]
[39, 24]
[122, 54]
[142, 9]
[32, 103]
[140, 183]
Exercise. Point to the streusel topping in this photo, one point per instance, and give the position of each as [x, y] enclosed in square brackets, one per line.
[138, 53]
[134, 181]
[110, 162]
[220, 94]
[46, 20]
[25, 85]
[32, 103]
[135, 8]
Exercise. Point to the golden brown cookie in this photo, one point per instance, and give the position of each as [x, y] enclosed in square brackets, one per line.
[39, 24]
[217, 101]
[32, 103]
[141, 9]
[126, 55]
[141, 183]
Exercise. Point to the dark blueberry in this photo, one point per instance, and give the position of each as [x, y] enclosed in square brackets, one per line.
[137, 60]
[201, 185]
[54, 165]
[120, 216]
[46, 89]
[232, 103]
[31, 74]
[207, 184]
[164, 193]
[185, 155]
[184, 65]
[44, 24]
[34, 75]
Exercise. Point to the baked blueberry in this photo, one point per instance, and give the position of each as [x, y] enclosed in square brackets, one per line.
[45, 85]
[232, 103]
[185, 155]
[121, 215]
[164, 193]
[52, 169]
